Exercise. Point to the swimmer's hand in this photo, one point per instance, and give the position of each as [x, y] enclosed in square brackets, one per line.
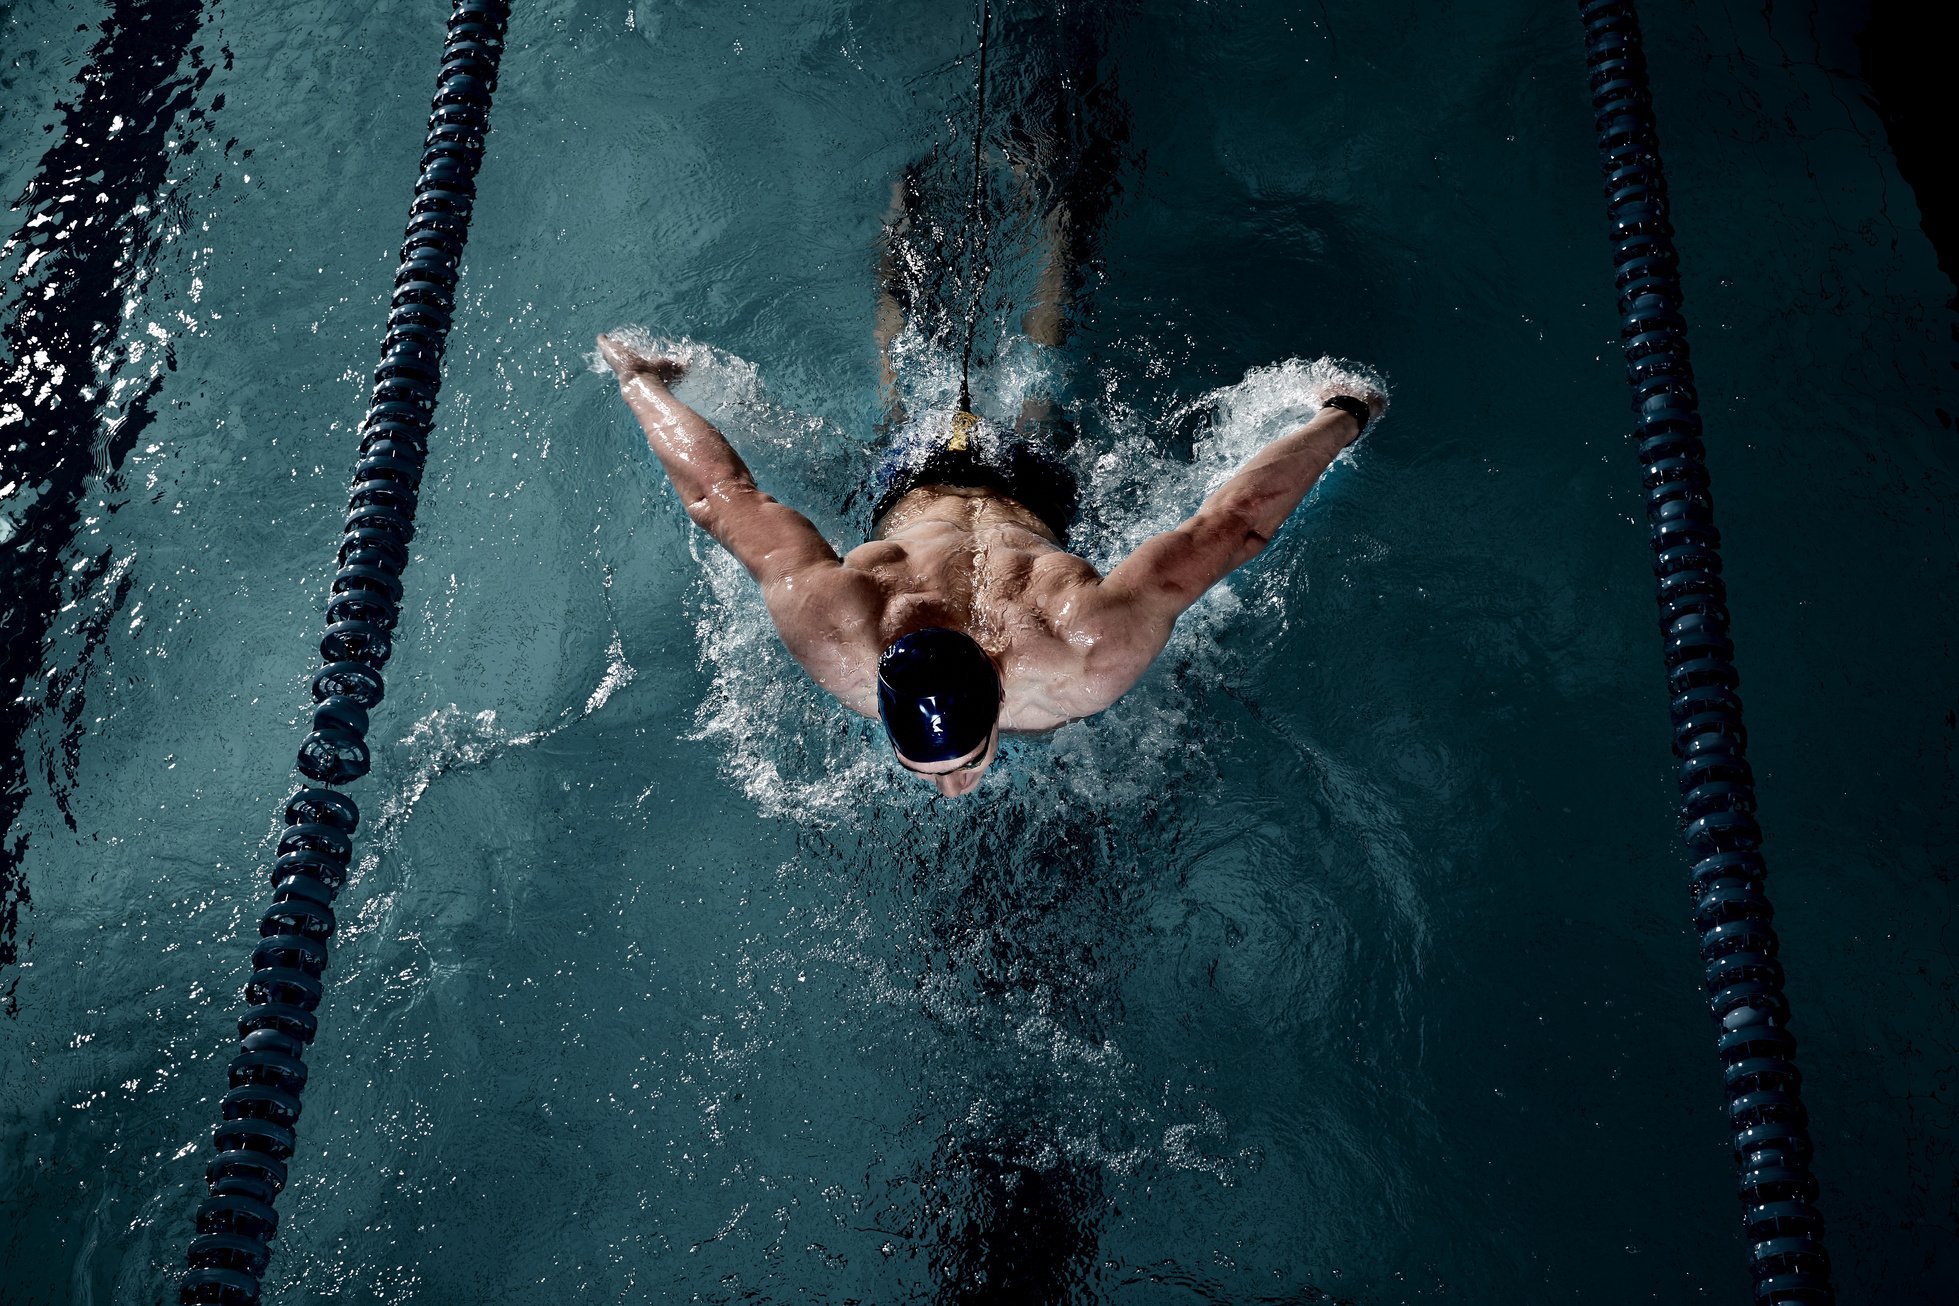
[1338, 377]
[627, 362]
[1377, 403]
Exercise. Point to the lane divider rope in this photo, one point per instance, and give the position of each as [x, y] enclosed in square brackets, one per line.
[255, 1141]
[1742, 975]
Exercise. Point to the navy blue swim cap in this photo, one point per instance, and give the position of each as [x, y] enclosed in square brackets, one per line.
[938, 694]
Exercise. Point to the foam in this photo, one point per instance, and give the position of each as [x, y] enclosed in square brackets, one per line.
[450, 739]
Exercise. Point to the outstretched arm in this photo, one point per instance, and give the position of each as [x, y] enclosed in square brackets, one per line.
[1169, 572]
[714, 484]
[1129, 619]
[824, 611]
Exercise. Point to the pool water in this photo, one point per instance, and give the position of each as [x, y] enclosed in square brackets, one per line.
[1347, 959]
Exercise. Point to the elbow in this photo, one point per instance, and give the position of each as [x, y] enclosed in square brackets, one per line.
[715, 504]
[1252, 544]
[705, 513]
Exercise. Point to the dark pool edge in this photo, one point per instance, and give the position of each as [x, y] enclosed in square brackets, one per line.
[1905, 59]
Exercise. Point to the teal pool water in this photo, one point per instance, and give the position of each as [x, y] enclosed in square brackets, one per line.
[1346, 960]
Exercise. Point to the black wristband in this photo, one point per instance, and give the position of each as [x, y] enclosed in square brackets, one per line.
[1350, 405]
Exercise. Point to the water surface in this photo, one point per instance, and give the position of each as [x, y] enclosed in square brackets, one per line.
[1346, 960]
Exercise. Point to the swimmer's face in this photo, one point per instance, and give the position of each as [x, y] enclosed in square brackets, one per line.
[960, 775]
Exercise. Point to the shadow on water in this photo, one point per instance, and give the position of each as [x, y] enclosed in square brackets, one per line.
[1013, 940]
[91, 223]
[1017, 913]
[1903, 59]
[1009, 1231]
[1006, 1213]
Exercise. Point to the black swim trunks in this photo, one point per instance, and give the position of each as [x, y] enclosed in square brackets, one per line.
[976, 454]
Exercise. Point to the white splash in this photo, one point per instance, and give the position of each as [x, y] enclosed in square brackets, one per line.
[793, 750]
[618, 674]
[716, 379]
[450, 739]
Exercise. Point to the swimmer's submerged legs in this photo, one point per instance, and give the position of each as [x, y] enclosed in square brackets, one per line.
[1056, 155]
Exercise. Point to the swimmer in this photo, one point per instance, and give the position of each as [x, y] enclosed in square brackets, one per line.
[965, 615]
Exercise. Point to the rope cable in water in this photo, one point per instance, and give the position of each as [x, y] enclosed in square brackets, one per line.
[236, 1222]
[1742, 976]
[975, 235]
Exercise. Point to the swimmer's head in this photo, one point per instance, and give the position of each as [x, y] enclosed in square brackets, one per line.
[939, 695]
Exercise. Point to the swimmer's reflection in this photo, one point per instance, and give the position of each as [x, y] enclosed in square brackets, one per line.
[1024, 917]
[1006, 1208]
[1007, 1228]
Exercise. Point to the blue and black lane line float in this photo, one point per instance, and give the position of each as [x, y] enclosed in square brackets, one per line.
[1742, 974]
[255, 1141]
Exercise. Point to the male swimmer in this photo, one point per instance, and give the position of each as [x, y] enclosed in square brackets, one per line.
[965, 615]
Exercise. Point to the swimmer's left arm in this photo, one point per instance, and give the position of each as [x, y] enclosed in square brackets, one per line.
[703, 466]
[1127, 619]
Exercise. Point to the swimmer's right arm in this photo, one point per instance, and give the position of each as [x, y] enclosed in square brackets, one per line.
[822, 609]
[714, 484]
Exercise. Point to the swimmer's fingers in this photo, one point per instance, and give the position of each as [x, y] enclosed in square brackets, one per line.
[616, 356]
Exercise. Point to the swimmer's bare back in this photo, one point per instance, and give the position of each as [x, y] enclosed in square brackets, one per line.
[1068, 641]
